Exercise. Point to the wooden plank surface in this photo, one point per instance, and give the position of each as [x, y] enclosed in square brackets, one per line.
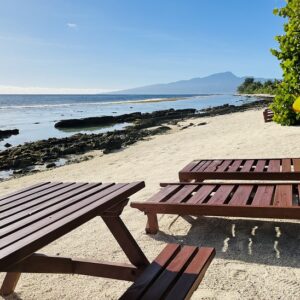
[201, 194]
[41, 228]
[29, 190]
[226, 163]
[30, 195]
[165, 193]
[286, 165]
[263, 195]
[274, 165]
[221, 194]
[241, 195]
[151, 273]
[192, 275]
[213, 166]
[167, 278]
[283, 195]
[296, 163]
[247, 166]
[235, 165]
[183, 193]
[202, 166]
[260, 165]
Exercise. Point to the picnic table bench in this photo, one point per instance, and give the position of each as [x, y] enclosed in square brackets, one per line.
[38, 215]
[267, 200]
[242, 168]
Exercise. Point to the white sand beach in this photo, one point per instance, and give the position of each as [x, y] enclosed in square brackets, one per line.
[256, 259]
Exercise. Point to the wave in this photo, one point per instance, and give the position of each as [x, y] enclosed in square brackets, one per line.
[151, 100]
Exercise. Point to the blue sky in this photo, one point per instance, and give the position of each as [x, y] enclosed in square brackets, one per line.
[114, 44]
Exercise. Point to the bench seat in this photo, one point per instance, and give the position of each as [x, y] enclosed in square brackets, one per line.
[174, 274]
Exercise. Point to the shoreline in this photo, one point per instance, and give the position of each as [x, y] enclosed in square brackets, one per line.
[268, 96]
[47, 154]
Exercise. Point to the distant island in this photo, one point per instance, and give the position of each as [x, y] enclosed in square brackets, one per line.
[218, 83]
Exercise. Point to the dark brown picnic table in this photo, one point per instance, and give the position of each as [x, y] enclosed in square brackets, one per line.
[36, 216]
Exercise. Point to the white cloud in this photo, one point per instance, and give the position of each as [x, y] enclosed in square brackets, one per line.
[8, 89]
[72, 25]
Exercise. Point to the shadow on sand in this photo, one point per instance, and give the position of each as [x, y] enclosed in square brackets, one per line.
[13, 296]
[253, 241]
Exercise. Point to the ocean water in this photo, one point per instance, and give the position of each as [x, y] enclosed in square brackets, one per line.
[35, 115]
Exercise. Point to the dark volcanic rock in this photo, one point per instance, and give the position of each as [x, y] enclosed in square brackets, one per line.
[7, 145]
[51, 165]
[95, 121]
[7, 133]
[142, 119]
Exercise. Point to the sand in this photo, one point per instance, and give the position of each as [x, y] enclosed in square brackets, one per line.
[255, 259]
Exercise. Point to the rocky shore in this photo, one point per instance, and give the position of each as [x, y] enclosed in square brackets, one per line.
[136, 117]
[30, 156]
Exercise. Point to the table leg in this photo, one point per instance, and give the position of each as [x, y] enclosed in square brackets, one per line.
[152, 224]
[126, 241]
[9, 284]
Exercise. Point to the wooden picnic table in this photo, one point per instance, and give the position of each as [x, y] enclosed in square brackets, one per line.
[228, 199]
[242, 169]
[38, 215]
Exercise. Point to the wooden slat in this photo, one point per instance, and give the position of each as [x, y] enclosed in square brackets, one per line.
[12, 199]
[18, 203]
[213, 166]
[241, 195]
[145, 280]
[226, 163]
[202, 166]
[260, 165]
[274, 165]
[30, 189]
[263, 195]
[167, 278]
[221, 194]
[202, 194]
[235, 165]
[247, 166]
[30, 205]
[286, 165]
[192, 276]
[283, 195]
[40, 205]
[28, 245]
[165, 193]
[189, 167]
[58, 215]
[184, 192]
[296, 163]
[11, 224]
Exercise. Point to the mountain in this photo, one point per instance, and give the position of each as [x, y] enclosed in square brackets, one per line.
[219, 83]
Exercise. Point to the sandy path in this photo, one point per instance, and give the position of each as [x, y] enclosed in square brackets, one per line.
[255, 259]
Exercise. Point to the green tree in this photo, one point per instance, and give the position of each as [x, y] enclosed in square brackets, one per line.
[289, 55]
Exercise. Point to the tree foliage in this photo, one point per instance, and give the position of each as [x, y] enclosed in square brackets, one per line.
[250, 86]
[289, 55]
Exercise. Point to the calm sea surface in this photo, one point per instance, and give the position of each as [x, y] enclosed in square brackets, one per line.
[35, 115]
